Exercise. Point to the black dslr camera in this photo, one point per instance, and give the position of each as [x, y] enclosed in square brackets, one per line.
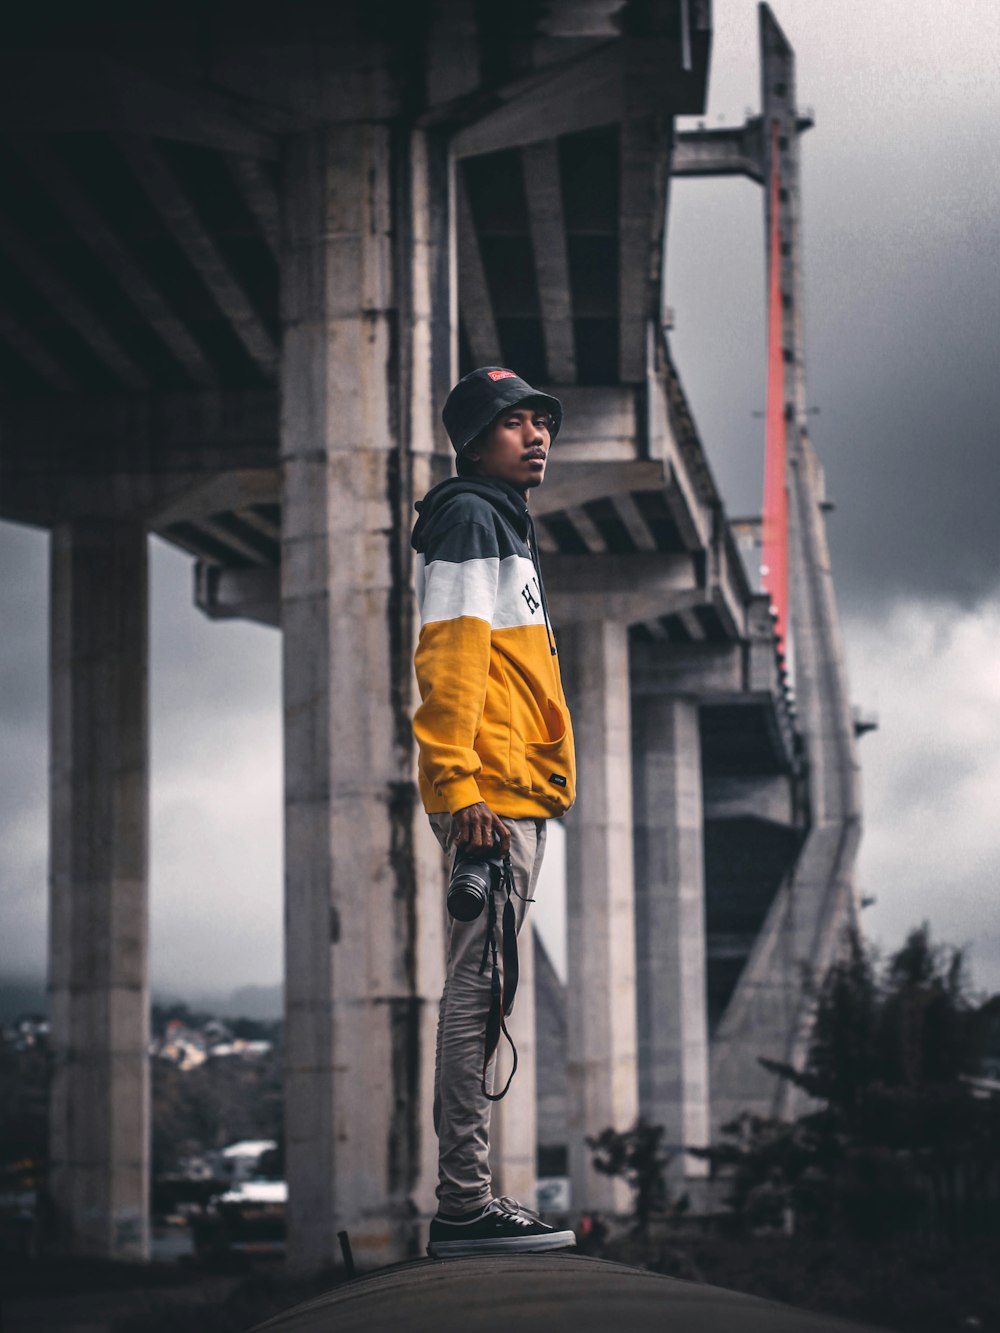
[474, 876]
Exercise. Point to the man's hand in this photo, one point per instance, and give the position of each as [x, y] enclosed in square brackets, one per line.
[474, 826]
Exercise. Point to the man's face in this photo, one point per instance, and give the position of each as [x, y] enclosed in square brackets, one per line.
[516, 447]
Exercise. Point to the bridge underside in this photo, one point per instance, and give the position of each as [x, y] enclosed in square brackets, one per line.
[246, 258]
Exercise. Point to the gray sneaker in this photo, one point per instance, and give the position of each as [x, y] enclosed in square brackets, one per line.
[503, 1227]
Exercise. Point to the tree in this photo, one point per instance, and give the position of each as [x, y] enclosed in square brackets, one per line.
[25, 1075]
[896, 1136]
[219, 1102]
[637, 1156]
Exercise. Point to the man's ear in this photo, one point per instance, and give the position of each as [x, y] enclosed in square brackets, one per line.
[473, 455]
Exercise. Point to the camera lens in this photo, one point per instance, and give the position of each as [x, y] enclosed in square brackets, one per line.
[467, 893]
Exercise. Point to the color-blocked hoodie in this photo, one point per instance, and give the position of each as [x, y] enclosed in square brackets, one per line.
[492, 724]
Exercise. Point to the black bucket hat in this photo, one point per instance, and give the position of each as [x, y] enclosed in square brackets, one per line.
[482, 395]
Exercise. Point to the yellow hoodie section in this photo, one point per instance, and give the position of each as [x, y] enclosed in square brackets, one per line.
[492, 724]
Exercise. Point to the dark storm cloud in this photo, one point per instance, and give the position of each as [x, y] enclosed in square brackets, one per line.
[902, 293]
[905, 348]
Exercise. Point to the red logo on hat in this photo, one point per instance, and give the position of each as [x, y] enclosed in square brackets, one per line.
[501, 375]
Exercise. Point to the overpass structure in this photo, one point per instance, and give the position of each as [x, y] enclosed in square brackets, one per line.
[247, 253]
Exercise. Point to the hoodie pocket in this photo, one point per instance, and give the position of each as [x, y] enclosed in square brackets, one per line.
[548, 769]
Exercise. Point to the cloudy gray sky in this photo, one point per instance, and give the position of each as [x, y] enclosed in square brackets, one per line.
[902, 299]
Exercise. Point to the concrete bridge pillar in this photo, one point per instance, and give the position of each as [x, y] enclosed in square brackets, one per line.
[670, 923]
[98, 920]
[601, 1013]
[363, 230]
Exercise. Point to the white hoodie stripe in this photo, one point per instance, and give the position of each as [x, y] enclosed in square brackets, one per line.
[504, 593]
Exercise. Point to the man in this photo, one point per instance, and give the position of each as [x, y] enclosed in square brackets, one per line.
[496, 757]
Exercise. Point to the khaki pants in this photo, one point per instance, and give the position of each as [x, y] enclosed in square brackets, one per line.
[461, 1112]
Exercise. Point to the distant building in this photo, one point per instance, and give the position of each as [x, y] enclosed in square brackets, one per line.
[28, 1031]
[188, 1048]
[241, 1162]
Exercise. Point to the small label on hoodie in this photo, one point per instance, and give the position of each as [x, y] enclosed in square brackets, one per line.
[557, 779]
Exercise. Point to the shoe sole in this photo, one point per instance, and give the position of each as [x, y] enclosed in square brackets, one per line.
[448, 1249]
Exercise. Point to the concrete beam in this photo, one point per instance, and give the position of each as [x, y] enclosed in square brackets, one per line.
[69, 91]
[691, 625]
[767, 796]
[182, 220]
[61, 295]
[570, 484]
[547, 544]
[641, 211]
[601, 1015]
[21, 340]
[246, 544]
[628, 77]
[687, 504]
[720, 152]
[238, 594]
[474, 297]
[631, 587]
[225, 492]
[636, 526]
[547, 104]
[295, 78]
[655, 629]
[452, 51]
[73, 202]
[586, 529]
[258, 520]
[729, 572]
[104, 456]
[696, 668]
[99, 1121]
[260, 196]
[717, 673]
[543, 190]
[600, 426]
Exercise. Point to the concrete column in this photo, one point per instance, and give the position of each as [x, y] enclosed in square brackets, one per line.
[98, 881]
[514, 1124]
[364, 876]
[670, 923]
[601, 1014]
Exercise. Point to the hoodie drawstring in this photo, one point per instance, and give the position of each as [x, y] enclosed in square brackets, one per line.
[533, 547]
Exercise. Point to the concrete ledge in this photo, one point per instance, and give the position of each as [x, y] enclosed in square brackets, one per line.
[540, 1292]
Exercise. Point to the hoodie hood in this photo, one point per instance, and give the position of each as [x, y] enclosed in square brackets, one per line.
[504, 498]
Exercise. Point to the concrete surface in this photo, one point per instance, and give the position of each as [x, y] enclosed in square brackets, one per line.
[600, 926]
[536, 1292]
[364, 948]
[98, 881]
[670, 923]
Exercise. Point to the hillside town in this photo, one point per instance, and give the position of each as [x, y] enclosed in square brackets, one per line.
[216, 1128]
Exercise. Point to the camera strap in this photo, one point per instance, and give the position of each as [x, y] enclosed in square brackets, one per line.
[503, 987]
